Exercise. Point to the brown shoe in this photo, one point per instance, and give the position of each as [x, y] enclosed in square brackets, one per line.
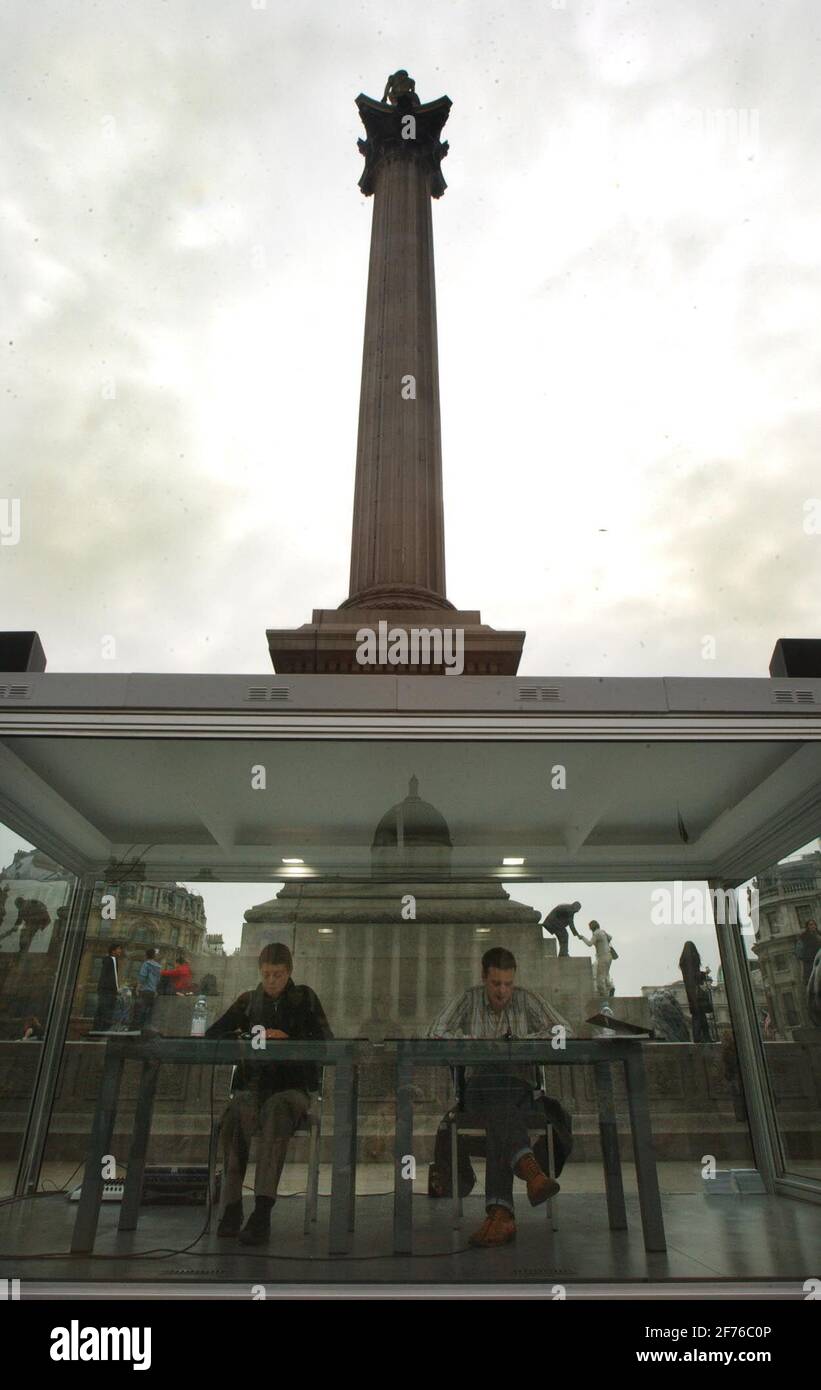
[539, 1185]
[498, 1229]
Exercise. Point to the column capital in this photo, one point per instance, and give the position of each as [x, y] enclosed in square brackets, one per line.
[390, 136]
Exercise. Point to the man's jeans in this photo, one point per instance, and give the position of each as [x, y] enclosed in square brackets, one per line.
[560, 934]
[503, 1102]
[106, 1004]
[145, 1008]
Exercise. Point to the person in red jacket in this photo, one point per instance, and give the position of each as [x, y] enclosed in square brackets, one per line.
[181, 978]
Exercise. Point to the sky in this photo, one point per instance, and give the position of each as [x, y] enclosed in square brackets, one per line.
[627, 285]
[628, 296]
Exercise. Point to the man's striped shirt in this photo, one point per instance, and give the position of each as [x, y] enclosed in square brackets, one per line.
[470, 1016]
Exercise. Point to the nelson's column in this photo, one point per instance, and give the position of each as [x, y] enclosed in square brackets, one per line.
[398, 540]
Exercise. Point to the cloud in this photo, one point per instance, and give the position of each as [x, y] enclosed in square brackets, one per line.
[626, 310]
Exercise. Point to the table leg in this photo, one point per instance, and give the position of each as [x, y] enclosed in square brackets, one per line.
[130, 1210]
[354, 1105]
[102, 1130]
[609, 1135]
[403, 1149]
[652, 1219]
[341, 1175]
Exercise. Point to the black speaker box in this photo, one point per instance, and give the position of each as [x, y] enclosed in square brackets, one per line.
[796, 656]
[21, 651]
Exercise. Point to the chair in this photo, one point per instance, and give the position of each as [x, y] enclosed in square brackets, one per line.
[472, 1126]
[310, 1128]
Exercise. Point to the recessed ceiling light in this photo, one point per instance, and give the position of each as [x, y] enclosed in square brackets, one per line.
[483, 931]
[325, 931]
[513, 861]
[293, 861]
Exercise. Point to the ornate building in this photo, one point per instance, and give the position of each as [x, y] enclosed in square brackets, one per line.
[163, 915]
[789, 895]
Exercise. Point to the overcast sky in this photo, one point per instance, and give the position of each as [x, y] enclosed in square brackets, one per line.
[628, 295]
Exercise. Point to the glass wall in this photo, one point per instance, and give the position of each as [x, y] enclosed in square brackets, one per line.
[378, 976]
[35, 894]
[784, 958]
[195, 971]
[377, 876]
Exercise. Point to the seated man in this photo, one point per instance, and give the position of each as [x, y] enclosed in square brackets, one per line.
[270, 1098]
[501, 1092]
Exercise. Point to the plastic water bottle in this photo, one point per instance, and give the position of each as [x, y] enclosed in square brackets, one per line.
[199, 1017]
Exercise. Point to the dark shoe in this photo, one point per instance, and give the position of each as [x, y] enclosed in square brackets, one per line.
[498, 1229]
[539, 1185]
[231, 1220]
[257, 1229]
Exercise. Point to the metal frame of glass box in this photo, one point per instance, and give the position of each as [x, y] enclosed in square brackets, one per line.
[494, 709]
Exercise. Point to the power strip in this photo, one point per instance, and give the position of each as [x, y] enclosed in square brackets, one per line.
[113, 1189]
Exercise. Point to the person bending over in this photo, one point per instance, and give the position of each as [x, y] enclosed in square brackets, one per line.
[559, 921]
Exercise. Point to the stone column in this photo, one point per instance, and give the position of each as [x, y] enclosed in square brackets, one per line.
[398, 540]
[422, 978]
[393, 987]
[368, 1002]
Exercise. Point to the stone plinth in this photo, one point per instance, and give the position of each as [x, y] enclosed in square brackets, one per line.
[329, 642]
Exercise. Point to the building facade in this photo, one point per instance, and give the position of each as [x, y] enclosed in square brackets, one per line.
[789, 895]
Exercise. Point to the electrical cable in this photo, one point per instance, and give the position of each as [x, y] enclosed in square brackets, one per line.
[168, 1252]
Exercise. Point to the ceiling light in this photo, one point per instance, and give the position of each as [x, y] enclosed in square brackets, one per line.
[513, 861]
[293, 861]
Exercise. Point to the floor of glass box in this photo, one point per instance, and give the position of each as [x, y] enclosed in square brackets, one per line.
[724, 1237]
[674, 1176]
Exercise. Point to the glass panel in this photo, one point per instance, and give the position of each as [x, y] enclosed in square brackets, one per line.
[375, 877]
[377, 976]
[134, 978]
[35, 893]
[785, 970]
